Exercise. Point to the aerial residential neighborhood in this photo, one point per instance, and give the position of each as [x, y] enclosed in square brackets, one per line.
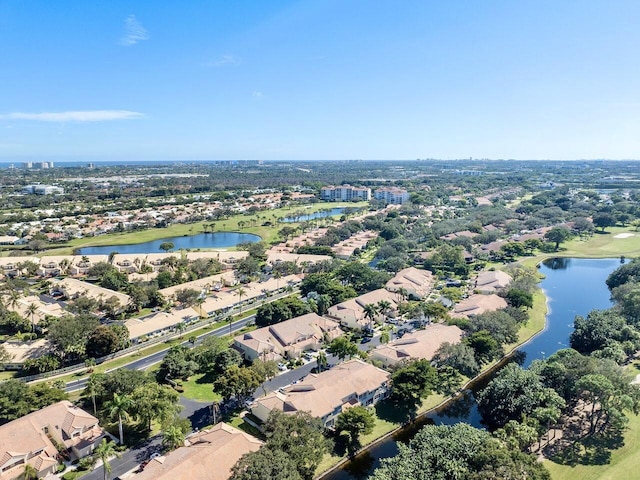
[319, 240]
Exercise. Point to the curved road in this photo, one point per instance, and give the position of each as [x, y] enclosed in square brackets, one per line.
[146, 362]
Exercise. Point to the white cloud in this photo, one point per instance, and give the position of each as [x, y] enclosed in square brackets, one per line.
[225, 61]
[79, 116]
[256, 94]
[134, 32]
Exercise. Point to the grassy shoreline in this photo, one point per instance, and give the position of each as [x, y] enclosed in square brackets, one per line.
[267, 233]
[383, 429]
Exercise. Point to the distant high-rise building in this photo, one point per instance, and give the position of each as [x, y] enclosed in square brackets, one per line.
[37, 165]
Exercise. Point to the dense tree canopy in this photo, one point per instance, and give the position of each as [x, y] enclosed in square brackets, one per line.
[458, 452]
[513, 393]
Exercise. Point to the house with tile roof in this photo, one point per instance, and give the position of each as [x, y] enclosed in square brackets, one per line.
[209, 454]
[417, 283]
[287, 339]
[327, 394]
[350, 313]
[73, 288]
[491, 281]
[478, 304]
[418, 345]
[39, 438]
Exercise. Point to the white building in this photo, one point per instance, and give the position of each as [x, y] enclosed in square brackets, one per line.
[345, 193]
[391, 195]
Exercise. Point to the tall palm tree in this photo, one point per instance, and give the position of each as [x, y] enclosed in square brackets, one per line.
[241, 293]
[14, 298]
[93, 385]
[118, 408]
[370, 312]
[198, 304]
[31, 310]
[384, 306]
[103, 452]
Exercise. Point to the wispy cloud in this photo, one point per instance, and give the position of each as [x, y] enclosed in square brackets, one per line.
[225, 61]
[134, 32]
[77, 116]
[256, 94]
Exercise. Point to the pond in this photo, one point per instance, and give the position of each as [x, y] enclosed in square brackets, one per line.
[573, 287]
[193, 242]
[311, 216]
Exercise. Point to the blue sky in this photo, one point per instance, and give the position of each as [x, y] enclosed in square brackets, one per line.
[320, 79]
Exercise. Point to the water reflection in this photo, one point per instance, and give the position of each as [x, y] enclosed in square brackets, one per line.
[557, 263]
[571, 291]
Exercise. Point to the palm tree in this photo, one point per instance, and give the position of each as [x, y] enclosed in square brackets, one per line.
[103, 452]
[241, 293]
[14, 298]
[118, 408]
[321, 360]
[230, 320]
[93, 384]
[198, 304]
[29, 473]
[90, 363]
[181, 327]
[173, 437]
[370, 312]
[277, 275]
[384, 306]
[31, 310]
[403, 293]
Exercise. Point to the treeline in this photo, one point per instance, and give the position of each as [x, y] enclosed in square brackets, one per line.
[585, 386]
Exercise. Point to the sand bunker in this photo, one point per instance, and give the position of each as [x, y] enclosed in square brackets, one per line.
[624, 235]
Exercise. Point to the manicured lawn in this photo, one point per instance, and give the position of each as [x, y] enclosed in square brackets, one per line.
[602, 245]
[537, 319]
[239, 423]
[200, 387]
[268, 233]
[623, 464]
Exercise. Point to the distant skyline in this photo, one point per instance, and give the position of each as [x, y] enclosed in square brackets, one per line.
[90, 80]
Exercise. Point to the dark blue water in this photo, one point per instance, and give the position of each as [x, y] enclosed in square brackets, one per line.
[573, 287]
[311, 216]
[202, 240]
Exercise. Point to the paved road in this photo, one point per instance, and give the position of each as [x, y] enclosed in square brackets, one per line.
[129, 460]
[152, 359]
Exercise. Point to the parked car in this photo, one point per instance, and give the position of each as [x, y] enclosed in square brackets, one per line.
[365, 340]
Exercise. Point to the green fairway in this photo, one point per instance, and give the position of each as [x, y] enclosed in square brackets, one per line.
[267, 233]
[623, 464]
[602, 245]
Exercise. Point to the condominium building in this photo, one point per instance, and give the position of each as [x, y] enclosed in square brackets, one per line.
[345, 193]
[391, 195]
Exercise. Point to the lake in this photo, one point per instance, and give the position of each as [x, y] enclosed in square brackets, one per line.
[573, 287]
[193, 242]
[312, 216]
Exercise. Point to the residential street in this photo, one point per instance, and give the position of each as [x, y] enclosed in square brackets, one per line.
[150, 360]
